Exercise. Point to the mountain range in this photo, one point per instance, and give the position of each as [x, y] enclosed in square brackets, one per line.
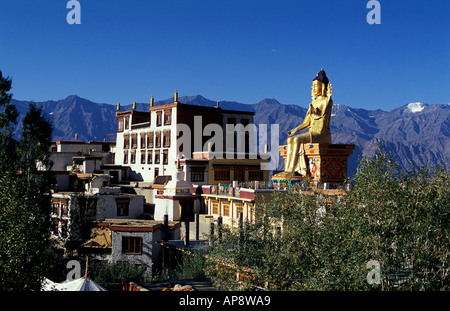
[415, 132]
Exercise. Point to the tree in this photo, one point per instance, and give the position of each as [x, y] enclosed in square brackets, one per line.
[25, 251]
[192, 266]
[400, 218]
[8, 118]
[34, 147]
[298, 242]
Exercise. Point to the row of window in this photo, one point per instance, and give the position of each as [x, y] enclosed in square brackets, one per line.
[161, 117]
[223, 174]
[147, 140]
[226, 209]
[197, 174]
[60, 207]
[147, 157]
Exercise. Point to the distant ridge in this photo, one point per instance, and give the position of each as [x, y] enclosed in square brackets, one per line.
[414, 132]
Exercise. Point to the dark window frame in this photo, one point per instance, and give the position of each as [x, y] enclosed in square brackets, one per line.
[131, 245]
[123, 207]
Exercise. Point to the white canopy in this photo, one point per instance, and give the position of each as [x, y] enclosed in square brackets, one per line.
[81, 284]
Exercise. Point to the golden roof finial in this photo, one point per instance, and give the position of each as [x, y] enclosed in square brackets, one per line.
[152, 102]
[134, 105]
[176, 96]
[118, 106]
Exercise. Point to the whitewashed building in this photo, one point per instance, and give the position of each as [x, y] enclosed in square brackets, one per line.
[150, 142]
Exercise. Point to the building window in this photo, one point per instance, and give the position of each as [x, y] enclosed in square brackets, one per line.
[239, 209]
[149, 157]
[64, 229]
[126, 142]
[157, 155]
[123, 206]
[143, 157]
[125, 157]
[55, 226]
[64, 208]
[167, 117]
[197, 174]
[158, 140]
[215, 208]
[226, 208]
[55, 205]
[133, 157]
[134, 141]
[166, 138]
[158, 118]
[120, 125]
[221, 173]
[156, 172]
[131, 245]
[150, 140]
[127, 122]
[255, 175]
[143, 144]
[165, 156]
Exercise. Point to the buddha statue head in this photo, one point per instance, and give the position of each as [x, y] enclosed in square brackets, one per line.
[320, 84]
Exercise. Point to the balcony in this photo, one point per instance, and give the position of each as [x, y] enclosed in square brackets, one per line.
[244, 190]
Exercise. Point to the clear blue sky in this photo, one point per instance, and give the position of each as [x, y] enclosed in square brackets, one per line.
[237, 50]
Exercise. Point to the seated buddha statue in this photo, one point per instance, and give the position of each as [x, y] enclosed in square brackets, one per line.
[317, 121]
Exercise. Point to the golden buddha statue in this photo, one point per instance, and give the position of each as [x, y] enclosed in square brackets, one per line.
[317, 120]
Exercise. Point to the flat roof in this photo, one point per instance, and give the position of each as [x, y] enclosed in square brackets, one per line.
[79, 142]
[138, 225]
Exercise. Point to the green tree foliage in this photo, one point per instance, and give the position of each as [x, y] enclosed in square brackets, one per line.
[25, 252]
[192, 266]
[110, 275]
[299, 242]
[8, 118]
[35, 143]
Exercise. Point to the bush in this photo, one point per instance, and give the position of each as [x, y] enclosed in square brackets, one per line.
[298, 242]
[192, 266]
[110, 275]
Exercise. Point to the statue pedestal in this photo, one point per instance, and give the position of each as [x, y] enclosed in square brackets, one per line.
[327, 165]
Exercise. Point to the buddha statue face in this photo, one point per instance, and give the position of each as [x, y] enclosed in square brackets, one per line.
[317, 88]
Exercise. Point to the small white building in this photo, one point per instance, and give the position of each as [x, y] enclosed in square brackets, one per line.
[71, 211]
[71, 159]
[136, 240]
[150, 143]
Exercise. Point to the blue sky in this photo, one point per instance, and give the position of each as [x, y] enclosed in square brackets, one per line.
[244, 51]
